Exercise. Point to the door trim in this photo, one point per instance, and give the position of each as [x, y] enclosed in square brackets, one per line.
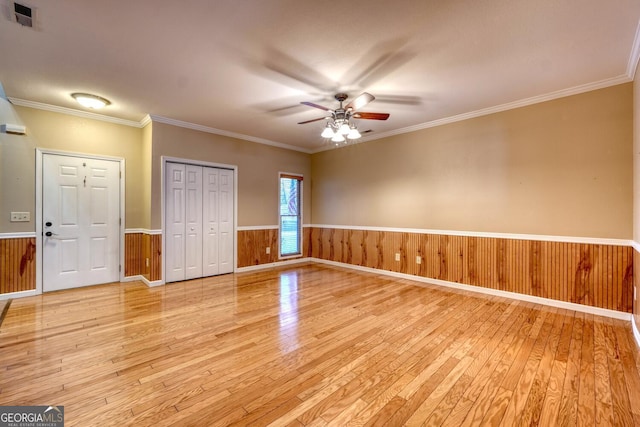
[40, 152]
[167, 159]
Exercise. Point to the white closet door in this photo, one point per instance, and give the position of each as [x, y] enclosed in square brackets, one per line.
[210, 215]
[175, 222]
[225, 223]
[193, 235]
[199, 221]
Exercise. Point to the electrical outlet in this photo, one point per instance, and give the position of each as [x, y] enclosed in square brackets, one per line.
[20, 216]
[418, 259]
[397, 257]
[147, 261]
[268, 250]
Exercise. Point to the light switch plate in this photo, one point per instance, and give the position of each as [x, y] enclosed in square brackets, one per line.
[397, 257]
[418, 259]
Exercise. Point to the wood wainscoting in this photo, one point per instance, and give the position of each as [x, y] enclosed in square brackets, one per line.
[253, 244]
[138, 247]
[636, 285]
[596, 275]
[17, 264]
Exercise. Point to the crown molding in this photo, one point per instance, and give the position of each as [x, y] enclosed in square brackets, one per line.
[221, 132]
[145, 120]
[634, 57]
[73, 112]
[502, 107]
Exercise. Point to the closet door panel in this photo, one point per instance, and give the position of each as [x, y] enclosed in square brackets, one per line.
[175, 222]
[210, 215]
[225, 223]
[193, 235]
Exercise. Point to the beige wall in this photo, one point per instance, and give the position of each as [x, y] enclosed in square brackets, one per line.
[258, 167]
[636, 156]
[56, 131]
[636, 188]
[562, 167]
[145, 169]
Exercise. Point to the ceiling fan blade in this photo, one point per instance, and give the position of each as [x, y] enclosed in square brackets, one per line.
[311, 104]
[360, 101]
[371, 116]
[310, 121]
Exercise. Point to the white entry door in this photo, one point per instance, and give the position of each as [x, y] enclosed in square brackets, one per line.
[80, 221]
[199, 221]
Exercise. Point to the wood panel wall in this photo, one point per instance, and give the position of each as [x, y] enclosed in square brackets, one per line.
[253, 244]
[138, 247]
[589, 274]
[17, 265]
[133, 254]
[636, 283]
[154, 271]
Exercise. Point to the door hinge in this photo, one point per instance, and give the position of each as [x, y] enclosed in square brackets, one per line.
[119, 268]
[120, 221]
[120, 173]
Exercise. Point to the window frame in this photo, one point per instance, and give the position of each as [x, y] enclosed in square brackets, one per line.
[300, 179]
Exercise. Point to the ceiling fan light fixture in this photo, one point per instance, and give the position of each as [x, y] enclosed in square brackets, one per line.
[90, 101]
[353, 133]
[327, 132]
[338, 137]
[344, 128]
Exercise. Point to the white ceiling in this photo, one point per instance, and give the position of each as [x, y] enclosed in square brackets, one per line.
[243, 66]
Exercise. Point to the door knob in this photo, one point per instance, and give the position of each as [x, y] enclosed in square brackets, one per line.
[48, 234]
[48, 224]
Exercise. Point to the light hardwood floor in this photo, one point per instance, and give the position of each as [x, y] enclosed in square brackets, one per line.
[314, 345]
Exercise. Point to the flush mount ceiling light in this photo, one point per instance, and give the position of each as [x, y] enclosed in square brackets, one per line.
[340, 127]
[90, 101]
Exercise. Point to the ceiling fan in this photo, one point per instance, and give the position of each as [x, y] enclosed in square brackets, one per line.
[339, 127]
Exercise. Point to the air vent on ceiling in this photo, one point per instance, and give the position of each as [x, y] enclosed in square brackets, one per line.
[23, 14]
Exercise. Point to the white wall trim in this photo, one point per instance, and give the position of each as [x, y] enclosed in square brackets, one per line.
[274, 264]
[511, 295]
[498, 108]
[265, 227]
[142, 230]
[635, 245]
[635, 54]
[141, 278]
[18, 235]
[258, 227]
[74, 112]
[540, 237]
[221, 132]
[20, 294]
[636, 333]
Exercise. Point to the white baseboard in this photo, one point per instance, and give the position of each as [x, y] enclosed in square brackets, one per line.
[273, 264]
[636, 333]
[143, 279]
[20, 294]
[512, 295]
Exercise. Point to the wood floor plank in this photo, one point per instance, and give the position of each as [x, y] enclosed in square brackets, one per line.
[340, 348]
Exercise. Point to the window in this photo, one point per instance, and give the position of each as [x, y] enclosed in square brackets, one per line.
[290, 215]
